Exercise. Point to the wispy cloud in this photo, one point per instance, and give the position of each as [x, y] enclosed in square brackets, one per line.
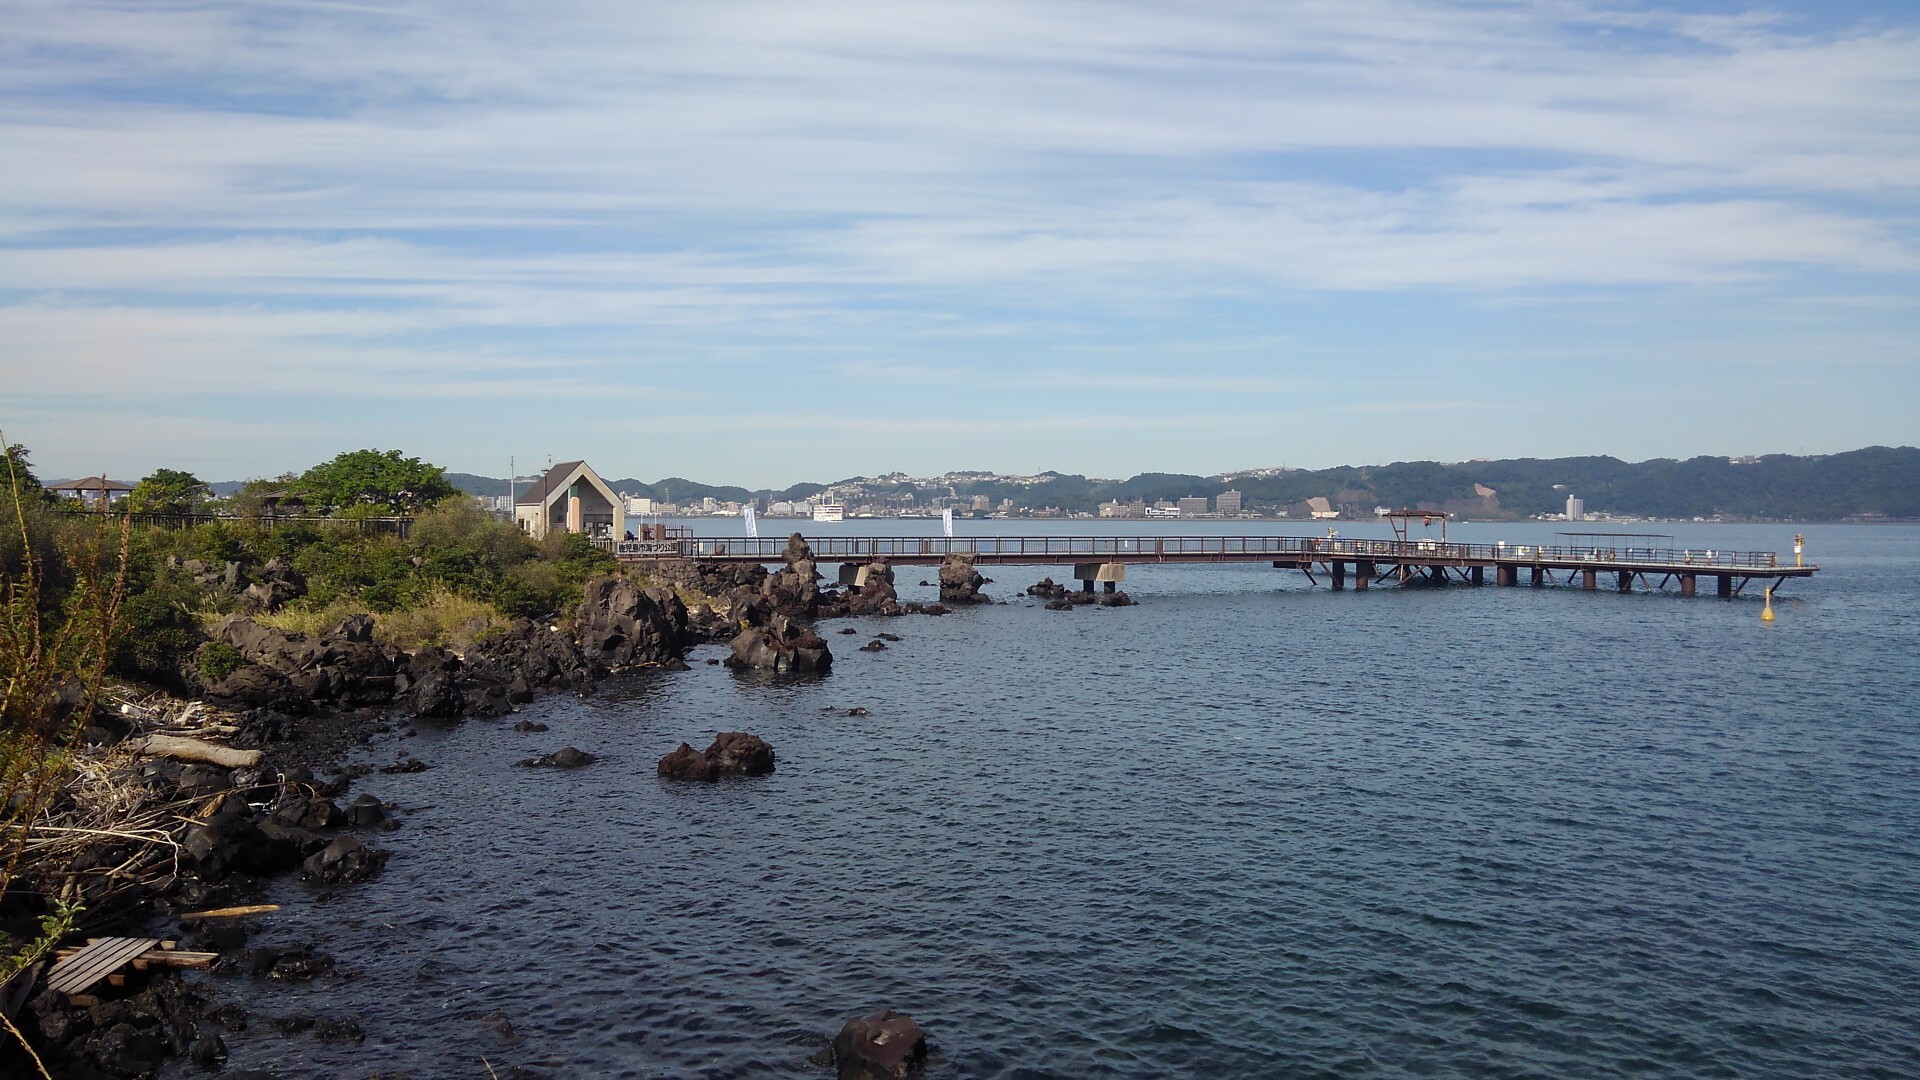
[857, 201]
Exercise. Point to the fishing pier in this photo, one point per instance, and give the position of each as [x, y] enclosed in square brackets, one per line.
[1586, 560]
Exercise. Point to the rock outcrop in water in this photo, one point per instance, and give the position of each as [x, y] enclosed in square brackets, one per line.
[732, 753]
[877, 596]
[883, 1045]
[959, 581]
[1046, 589]
[780, 644]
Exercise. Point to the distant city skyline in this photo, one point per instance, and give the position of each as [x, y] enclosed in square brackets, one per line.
[765, 244]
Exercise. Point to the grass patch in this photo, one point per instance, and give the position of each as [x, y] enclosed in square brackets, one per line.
[443, 617]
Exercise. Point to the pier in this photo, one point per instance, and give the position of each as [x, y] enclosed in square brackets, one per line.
[1361, 564]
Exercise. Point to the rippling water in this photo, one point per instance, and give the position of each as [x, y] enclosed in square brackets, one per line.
[1248, 828]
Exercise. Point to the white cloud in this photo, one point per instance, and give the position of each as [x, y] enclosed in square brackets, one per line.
[272, 196]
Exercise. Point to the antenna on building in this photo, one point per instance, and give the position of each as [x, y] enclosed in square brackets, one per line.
[510, 478]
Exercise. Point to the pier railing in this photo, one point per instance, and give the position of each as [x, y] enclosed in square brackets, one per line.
[1138, 549]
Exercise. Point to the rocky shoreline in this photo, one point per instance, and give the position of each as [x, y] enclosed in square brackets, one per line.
[304, 703]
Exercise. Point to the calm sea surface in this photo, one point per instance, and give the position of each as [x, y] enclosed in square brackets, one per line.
[1247, 828]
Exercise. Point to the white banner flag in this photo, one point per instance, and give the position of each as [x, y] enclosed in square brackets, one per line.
[946, 520]
[753, 524]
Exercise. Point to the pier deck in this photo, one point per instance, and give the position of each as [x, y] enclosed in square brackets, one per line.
[1366, 562]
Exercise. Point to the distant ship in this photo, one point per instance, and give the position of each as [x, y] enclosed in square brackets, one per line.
[830, 512]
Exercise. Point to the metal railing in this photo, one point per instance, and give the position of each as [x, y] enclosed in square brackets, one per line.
[1067, 549]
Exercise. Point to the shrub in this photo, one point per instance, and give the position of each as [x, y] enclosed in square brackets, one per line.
[219, 660]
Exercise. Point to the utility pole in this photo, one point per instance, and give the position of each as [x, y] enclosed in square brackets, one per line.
[511, 512]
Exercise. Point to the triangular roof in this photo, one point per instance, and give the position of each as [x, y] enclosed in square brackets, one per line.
[546, 485]
[560, 478]
[91, 483]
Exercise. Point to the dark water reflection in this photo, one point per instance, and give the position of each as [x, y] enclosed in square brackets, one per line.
[1245, 829]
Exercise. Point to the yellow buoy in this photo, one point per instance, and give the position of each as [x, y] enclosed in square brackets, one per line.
[1766, 613]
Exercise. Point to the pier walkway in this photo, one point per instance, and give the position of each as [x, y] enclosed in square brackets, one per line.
[1363, 562]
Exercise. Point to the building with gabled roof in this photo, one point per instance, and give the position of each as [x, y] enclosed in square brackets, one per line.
[92, 490]
[571, 497]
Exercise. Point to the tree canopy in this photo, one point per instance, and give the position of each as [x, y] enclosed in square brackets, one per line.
[373, 478]
[167, 491]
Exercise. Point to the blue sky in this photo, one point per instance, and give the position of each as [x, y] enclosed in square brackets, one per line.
[770, 242]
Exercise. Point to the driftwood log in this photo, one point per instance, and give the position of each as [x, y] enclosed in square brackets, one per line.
[184, 749]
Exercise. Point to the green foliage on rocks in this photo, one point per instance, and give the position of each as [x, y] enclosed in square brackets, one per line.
[219, 660]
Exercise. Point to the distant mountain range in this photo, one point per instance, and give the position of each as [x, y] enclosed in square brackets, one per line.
[1874, 483]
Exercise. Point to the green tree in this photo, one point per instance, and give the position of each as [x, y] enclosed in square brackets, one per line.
[374, 478]
[167, 491]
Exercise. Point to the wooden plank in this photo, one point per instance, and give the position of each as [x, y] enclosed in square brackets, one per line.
[230, 912]
[91, 965]
[101, 957]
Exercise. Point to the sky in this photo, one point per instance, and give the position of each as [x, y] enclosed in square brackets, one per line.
[766, 242]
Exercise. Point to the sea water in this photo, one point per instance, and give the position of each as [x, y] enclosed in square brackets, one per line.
[1249, 827]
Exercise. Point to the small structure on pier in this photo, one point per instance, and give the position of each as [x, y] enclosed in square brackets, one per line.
[95, 491]
[571, 497]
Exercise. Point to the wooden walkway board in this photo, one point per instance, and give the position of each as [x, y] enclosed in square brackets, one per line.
[77, 973]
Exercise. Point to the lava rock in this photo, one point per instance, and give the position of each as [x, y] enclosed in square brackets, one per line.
[686, 763]
[344, 861]
[564, 758]
[883, 1045]
[959, 581]
[365, 810]
[876, 645]
[740, 753]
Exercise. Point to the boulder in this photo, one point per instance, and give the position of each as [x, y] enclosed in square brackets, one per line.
[876, 645]
[622, 625]
[230, 840]
[343, 861]
[736, 752]
[1046, 588]
[883, 1045]
[566, 757]
[959, 581]
[877, 596]
[1116, 598]
[278, 583]
[365, 810]
[780, 645]
[686, 763]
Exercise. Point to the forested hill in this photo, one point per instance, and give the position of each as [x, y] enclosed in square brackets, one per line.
[1876, 482]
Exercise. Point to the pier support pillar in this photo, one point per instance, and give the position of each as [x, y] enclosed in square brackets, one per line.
[1362, 576]
[1626, 581]
[1686, 584]
[1589, 579]
[1539, 577]
[1505, 575]
[1478, 575]
[1406, 573]
[1726, 586]
[1339, 575]
[1108, 574]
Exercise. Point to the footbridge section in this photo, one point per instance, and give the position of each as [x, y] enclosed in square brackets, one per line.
[1340, 561]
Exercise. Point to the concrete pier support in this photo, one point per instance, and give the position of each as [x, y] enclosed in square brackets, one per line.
[1406, 573]
[1506, 575]
[1478, 575]
[1626, 581]
[1726, 586]
[1589, 579]
[1362, 575]
[1539, 577]
[1108, 574]
[1339, 574]
[1686, 584]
